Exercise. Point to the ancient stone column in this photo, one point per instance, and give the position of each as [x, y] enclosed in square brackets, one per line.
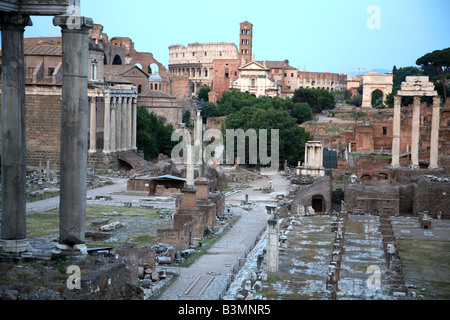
[272, 240]
[107, 126]
[13, 221]
[74, 123]
[123, 127]
[415, 133]
[129, 122]
[118, 131]
[112, 140]
[434, 143]
[134, 129]
[93, 126]
[396, 133]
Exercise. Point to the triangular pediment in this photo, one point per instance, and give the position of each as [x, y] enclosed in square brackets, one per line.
[253, 65]
[137, 71]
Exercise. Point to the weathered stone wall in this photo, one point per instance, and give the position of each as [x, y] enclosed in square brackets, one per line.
[113, 282]
[179, 238]
[305, 195]
[372, 197]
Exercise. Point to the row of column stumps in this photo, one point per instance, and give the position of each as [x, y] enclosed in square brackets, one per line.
[338, 226]
[392, 256]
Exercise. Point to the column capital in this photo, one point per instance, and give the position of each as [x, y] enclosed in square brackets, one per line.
[436, 101]
[15, 20]
[74, 23]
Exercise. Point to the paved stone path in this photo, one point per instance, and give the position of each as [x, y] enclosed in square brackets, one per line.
[223, 258]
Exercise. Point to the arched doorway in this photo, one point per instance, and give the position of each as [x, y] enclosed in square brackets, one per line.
[377, 98]
[117, 60]
[318, 203]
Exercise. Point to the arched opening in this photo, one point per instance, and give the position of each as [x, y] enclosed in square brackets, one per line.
[154, 68]
[105, 60]
[366, 177]
[318, 203]
[138, 65]
[377, 98]
[139, 88]
[383, 176]
[117, 60]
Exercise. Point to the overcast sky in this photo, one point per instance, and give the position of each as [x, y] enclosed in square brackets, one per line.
[318, 35]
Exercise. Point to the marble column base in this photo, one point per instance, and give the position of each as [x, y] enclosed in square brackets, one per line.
[14, 246]
[75, 250]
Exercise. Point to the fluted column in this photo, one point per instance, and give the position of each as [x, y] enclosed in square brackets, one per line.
[93, 126]
[123, 136]
[118, 123]
[107, 126]
[134, 130]
[113, 125]
[129, 122]
[74, 124]
[13, 207]
[396, 133]
[434, 143]
[415, 133]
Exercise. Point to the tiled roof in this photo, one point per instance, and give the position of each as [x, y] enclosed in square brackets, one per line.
[40, 50]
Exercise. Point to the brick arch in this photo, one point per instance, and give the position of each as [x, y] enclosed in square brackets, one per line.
[146, 59]
[445, 118]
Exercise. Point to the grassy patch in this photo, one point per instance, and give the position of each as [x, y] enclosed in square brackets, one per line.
[427, 264]
[42, 224]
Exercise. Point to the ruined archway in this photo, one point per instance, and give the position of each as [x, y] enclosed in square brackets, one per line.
[366, 177]
[372, 82]
[377, 98]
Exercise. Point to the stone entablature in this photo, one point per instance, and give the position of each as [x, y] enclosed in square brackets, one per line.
[37, 7]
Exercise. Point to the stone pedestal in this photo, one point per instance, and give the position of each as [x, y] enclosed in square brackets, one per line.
[74, 124]
[202, 188]
[13, 208]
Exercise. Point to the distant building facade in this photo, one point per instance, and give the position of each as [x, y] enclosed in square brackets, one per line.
[255, 79]
[196, 62]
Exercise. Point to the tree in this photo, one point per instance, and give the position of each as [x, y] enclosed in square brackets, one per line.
[342, 95]
[292, 137]
[187, 118]
[356, 100]
[153, 136]
[318, 99]
[400, 75]
[209, 110]
[440, 60]
[302, 112]
[203, 94]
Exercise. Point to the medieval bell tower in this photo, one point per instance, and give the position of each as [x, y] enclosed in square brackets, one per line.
[245, 42]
